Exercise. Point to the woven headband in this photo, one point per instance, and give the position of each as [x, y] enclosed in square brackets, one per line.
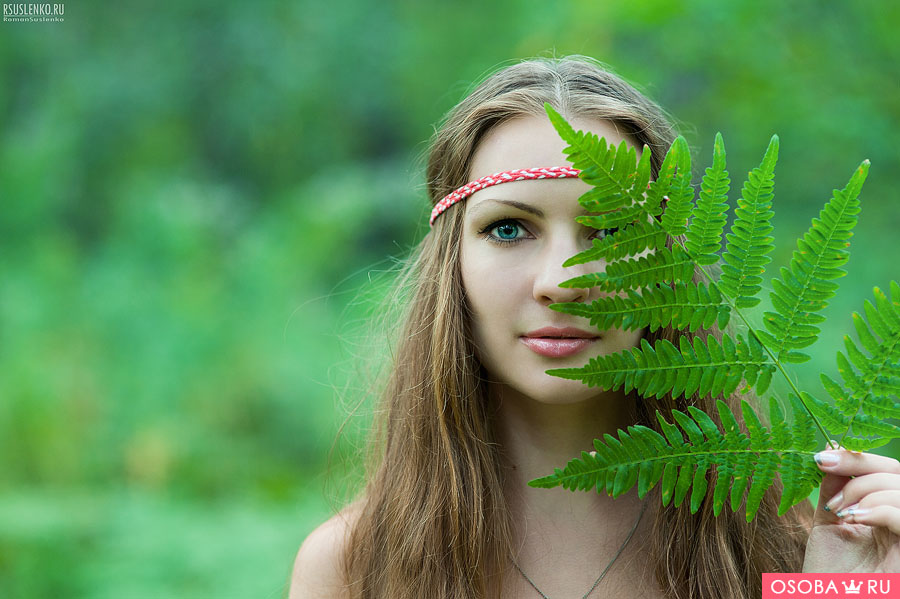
[522, 174]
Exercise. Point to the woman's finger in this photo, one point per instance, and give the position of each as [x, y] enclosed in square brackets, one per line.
[886, 516]
[889, 499]
[853, 463]
[862, 486]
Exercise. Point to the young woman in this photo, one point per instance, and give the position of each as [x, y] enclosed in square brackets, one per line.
[469, 414]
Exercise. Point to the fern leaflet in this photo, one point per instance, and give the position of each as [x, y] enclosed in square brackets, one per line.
[804, 289]
[749, 243]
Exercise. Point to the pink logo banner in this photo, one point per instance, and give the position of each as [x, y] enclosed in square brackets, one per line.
[831, 586]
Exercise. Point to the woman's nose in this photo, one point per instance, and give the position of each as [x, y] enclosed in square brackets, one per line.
[550, 273]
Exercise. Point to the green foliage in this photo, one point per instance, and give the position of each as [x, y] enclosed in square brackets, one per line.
[659, 292]
[699, 367]
[684, 305]
[802, 291]
[744, 461]
[745, 256]
[704, 236]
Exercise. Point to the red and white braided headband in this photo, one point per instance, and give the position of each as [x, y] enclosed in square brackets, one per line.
[522, 174]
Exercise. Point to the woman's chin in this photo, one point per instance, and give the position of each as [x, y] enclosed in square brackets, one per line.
[552, 390]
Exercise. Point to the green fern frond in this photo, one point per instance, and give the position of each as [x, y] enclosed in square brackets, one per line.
[799, 474]
[704, 366]
[749, 244]
[871, 382]
[680, 202]
[657, 290]
[610, 170]
[662, 266]
[684, 306]
[863, 433]
[629, 241]
[803, 291]
[616, 219]
[645, 457]
[704, 235]
[660, 187]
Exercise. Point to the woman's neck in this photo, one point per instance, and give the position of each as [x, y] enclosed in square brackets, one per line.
[537, 437]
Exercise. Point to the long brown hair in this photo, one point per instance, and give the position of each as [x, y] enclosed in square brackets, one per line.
[432, 520]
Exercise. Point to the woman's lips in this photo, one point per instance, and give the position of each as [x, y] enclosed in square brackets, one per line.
[557, 347]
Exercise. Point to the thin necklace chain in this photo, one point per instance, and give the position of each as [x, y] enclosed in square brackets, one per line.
[605, 570]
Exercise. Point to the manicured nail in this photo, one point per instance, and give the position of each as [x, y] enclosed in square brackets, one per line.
[853, 510]
[834, 501]
[827, 458]
[846, 511]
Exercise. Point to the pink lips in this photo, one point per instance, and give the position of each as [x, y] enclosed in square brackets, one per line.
[554, 342]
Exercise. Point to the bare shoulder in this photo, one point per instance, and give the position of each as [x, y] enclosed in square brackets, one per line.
[317, 570]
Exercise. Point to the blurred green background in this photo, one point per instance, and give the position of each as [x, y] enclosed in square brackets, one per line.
[198, 201]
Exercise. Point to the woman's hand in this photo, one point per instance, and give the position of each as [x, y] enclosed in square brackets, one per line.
[857, 522]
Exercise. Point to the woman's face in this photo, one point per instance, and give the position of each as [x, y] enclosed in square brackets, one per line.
[516, 237]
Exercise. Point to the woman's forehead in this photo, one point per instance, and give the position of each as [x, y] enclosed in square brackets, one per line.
[531, 141]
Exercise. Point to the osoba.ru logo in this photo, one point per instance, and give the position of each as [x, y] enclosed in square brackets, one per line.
[837, 586]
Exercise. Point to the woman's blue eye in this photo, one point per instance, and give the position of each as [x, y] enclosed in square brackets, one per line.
[508, 230]
[504, 232]
[603, 233]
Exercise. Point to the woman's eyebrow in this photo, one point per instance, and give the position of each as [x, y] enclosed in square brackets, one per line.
[521, 206]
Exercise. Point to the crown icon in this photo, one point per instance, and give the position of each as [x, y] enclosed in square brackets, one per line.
[852, 588]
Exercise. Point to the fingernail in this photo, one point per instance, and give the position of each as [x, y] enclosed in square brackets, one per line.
[846, 511]
[853, 510]
[827, 458]
[834, 501]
